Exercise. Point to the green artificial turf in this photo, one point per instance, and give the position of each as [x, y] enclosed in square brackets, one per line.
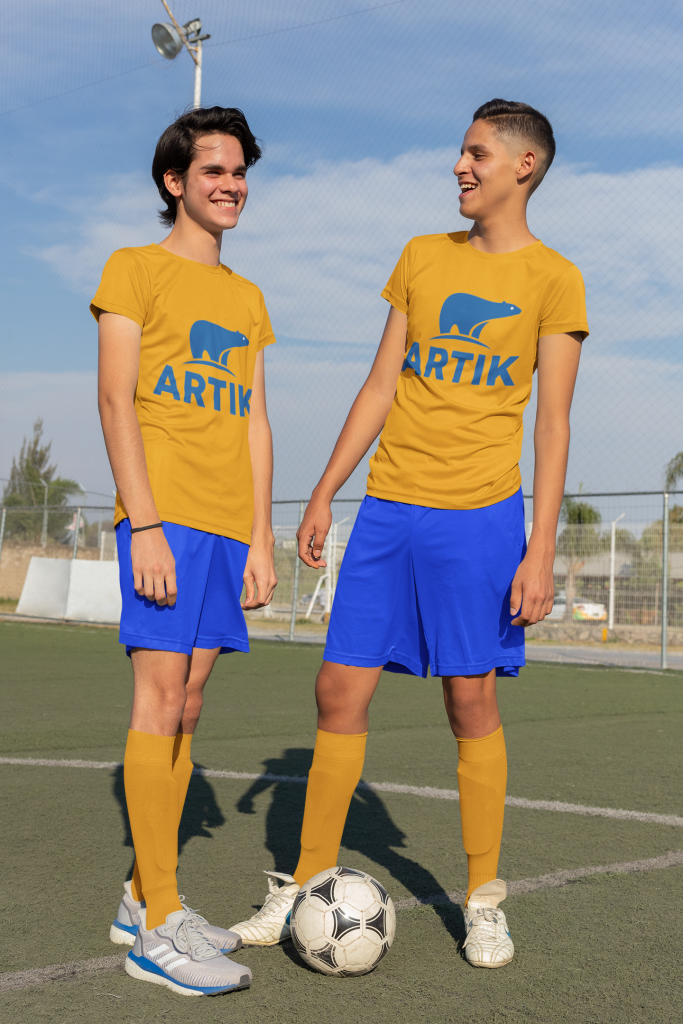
[604, 949]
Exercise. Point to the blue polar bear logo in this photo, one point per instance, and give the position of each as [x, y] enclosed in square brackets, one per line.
[216, 341]
[469, 314]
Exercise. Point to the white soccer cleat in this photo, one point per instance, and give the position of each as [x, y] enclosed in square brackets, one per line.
[488, 942]
[125, 926]
[177, 955]
[271, 924]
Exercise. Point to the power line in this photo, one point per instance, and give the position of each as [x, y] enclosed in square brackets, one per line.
[227, 42]
[308, 24]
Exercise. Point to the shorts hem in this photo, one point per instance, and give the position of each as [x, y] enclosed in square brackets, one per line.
[153, 643]
[391, 657]
[477, 669]
[226, 644]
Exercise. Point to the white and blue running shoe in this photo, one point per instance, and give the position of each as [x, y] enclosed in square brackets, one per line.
[125, 927]
[488, 942]
[177, 955]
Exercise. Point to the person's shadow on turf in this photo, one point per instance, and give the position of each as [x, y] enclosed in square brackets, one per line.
[200, 813]
[369, 830]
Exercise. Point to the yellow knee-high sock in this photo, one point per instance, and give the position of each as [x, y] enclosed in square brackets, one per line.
[152, 799]
[182, 773]
[482, 778]
[335, 773]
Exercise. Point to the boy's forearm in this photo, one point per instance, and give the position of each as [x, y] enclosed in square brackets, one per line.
[363, 425]
[126, 453]
[551, 444]
[261, 451]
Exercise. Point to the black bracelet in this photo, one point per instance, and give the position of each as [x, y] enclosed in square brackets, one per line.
[139, 529]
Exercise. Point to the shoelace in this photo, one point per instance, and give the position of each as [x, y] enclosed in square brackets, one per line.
[187, 938]
[275, 900]
[484, 916]
[189, 910]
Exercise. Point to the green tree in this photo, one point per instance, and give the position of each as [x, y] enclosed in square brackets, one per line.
[673, 471]
[26, 487]
[579, 539]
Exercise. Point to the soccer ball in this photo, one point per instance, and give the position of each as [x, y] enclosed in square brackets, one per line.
[343, 922]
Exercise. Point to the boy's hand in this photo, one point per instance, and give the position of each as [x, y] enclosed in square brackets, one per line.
[312, 533]
[259, 574]
[533, 589]
[153, 567]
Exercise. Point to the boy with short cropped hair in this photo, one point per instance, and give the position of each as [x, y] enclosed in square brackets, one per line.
[182, 403]
[437, 573]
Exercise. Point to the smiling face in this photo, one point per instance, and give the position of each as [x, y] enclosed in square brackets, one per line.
[214, 190]
[494, 174]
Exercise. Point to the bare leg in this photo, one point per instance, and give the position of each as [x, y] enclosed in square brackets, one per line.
[471, 704]
[343, 694]
[201, 667]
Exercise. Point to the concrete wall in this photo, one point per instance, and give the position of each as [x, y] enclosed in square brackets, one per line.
[16, 558]
[82, 590]
[580, 632]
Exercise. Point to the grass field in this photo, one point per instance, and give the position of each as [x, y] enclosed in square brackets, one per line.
[605, 948]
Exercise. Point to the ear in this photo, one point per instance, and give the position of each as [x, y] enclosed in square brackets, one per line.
[526, 164]
[173, 183]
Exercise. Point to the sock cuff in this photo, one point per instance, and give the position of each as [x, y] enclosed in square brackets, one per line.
[486, 748]
[182, 746]
[148, 748]
[339, 746]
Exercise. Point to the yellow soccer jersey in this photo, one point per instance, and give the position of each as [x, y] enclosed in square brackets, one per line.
[202, 327]
[453, 436]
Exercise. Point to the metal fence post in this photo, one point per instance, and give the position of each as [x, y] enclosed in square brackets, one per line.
[665, 576]
[612, 570]
[295, 584]
[2, 530]
[76, 529]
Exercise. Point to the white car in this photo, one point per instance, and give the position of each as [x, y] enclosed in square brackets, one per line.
[582, 611]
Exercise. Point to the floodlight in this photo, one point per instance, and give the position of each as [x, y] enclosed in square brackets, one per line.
[166, 39]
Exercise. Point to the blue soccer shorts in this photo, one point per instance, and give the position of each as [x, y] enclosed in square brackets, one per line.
[207, 612]
[429, 587]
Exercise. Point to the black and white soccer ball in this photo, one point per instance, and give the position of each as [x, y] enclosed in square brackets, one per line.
[343, 922]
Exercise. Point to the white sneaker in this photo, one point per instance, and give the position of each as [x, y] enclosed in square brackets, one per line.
[125, 926]
[271, 924]
[177, 955]
[488, 942]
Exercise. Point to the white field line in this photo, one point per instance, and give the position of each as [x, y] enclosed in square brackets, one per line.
[17, 980]
[428, 792]
[555, 880]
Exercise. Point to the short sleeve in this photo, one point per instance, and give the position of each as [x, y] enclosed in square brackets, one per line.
[564, 310]
[124, 288]
[266, 336]
[396, 291]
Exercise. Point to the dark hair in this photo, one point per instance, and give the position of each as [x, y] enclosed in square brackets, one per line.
[176, 147]
[509, 118]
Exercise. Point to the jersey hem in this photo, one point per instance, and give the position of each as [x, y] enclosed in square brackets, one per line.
[405, 499]
[194, 524]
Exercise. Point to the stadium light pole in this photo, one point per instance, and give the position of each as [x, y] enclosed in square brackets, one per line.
[170, 39]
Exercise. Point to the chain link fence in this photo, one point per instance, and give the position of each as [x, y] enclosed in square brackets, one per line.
[618, 569]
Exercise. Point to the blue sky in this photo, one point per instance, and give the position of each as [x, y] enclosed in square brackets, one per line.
[361, 116]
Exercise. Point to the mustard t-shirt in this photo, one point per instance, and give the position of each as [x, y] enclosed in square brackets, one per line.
[453, 436]
[202, 327]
